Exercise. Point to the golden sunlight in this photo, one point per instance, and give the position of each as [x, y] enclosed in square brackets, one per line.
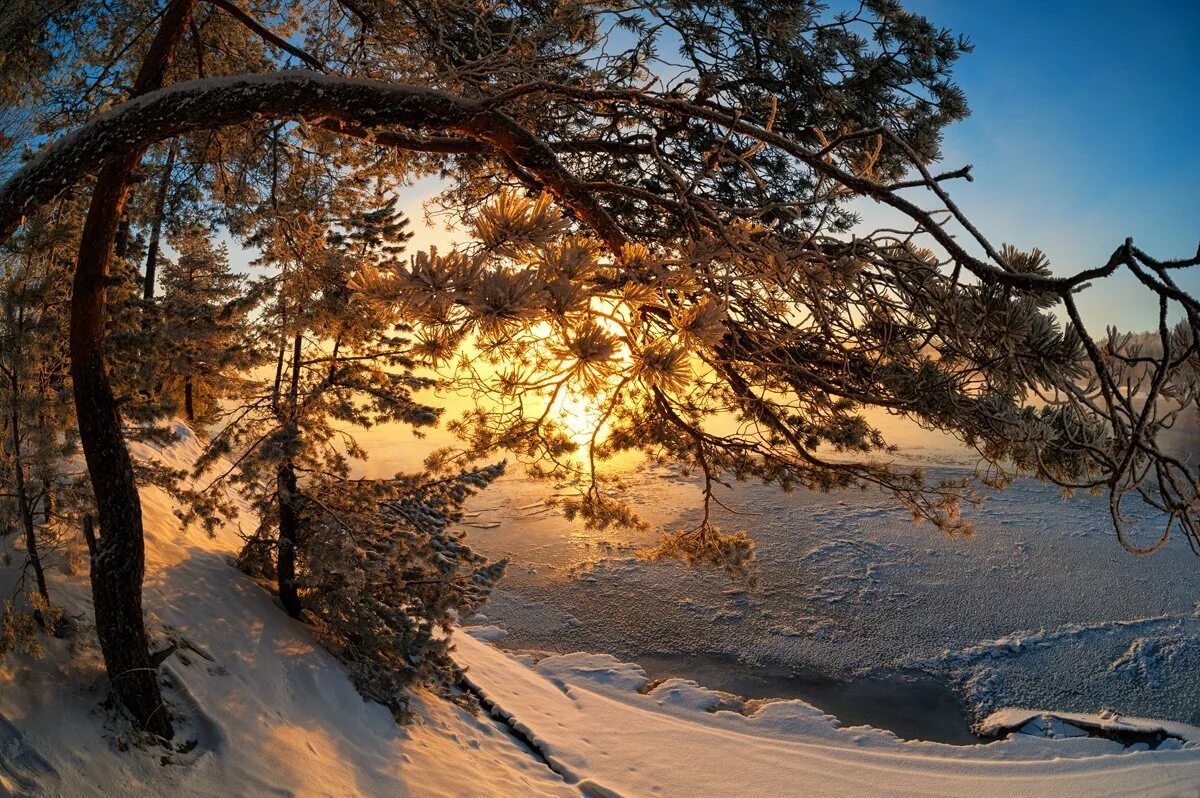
[580, 417]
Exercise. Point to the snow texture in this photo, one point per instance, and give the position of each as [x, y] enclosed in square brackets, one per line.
[263, 710]
[1040, 608]
[586, 716]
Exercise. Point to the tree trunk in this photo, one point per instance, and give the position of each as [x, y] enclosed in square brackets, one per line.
[188, 409]
[160, 206]
[118, 554]
[289, 533]
[294, 388]
[47, 501]
[289, 515]
[276, 386]
[118, 561]
[337, 343]
[24, 506]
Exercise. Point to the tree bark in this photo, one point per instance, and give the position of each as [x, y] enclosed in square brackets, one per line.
[118, 554]
[289, 533]
[160, 209]
[188, 408]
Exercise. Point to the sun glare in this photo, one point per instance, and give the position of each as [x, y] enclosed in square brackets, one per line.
[579, 417]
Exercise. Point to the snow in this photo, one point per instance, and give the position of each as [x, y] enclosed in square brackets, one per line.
[271, 711]
[264, 710]
[1073, 724]
[1041, 608]
[594, 722]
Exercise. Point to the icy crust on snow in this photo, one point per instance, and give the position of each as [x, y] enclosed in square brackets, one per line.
[1142, 662]
[1075, 724]
[595, 722]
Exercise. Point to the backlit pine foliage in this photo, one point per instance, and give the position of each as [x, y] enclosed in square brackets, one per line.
[386, 573]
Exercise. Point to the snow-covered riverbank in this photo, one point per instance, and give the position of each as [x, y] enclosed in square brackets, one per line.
[1041, 608]
[596, 723]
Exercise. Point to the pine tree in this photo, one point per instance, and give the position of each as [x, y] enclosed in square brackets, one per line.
[385, 574]
[202, 340]
[41, 499]
[672, 241]
[337, 362]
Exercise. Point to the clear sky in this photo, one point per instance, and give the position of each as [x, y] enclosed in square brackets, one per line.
[1084, 129]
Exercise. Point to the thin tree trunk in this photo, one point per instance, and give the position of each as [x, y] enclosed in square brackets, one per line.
[289, 516]
[160, 206]
[275, 386]
[118, 555]
[47, 501]
[289, 533]
[47, 487]
[337, 343]
[188, 409]
[294, 388]
[24, 506]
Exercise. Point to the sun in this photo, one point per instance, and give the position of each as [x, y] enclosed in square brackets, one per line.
[580, 416]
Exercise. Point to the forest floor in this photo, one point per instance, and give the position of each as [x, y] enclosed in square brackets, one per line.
[264, 710]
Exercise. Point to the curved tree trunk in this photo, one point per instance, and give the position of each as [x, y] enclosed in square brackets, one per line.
[118, 559]
[349, 106]
[118, 553]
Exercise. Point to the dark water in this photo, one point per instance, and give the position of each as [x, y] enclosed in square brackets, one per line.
[914, 705]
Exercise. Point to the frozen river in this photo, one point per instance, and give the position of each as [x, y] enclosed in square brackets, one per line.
[860, 611]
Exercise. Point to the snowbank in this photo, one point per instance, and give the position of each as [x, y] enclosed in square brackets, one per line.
[593, 721]
[1073, 724]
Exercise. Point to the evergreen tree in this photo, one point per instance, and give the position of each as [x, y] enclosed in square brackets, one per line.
[202, 340]
[385, 573]
[674, 237]
[338, 363]
[41, 499]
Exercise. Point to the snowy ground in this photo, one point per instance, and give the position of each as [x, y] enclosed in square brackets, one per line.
[262, 710]
[269, 711]
[598, 723]
[1041, 608]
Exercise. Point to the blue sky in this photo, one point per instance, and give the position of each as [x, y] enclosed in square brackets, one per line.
[1084, 128]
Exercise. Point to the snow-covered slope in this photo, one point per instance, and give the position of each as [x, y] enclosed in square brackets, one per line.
[271, 713]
